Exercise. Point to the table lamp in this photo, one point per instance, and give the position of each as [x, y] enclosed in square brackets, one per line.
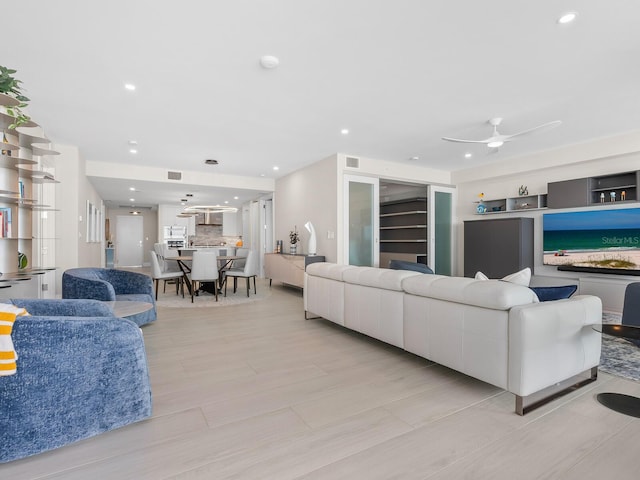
[312, 238]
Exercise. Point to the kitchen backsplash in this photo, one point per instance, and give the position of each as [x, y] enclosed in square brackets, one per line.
[210, 235]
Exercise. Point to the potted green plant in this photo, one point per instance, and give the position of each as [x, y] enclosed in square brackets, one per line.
[11, 86]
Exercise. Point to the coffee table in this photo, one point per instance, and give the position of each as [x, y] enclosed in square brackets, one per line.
[619, 402]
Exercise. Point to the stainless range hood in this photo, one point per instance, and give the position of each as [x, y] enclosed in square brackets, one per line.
[214, 219]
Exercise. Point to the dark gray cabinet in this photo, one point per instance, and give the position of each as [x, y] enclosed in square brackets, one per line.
[584, 192]
[498, 247]
[568, 193]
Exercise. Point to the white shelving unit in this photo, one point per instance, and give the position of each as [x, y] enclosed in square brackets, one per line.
[25, 172]
[513, 204]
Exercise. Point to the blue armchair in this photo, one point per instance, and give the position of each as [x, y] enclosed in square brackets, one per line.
[77, 376]
[108, 284]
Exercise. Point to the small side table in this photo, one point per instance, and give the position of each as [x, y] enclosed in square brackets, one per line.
[620, 402]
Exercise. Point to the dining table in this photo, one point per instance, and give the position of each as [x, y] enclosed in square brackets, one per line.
[224, 261]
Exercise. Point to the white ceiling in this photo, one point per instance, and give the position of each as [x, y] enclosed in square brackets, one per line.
[398, 74]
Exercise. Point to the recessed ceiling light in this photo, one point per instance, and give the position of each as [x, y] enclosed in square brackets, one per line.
[235, 198]
[130, 86]
[133, 150]
[189, 195]
[133, 142]
[211, 161]
[183, 200]
[414, 158]
[567, 18]
[226, 201]
[132, 199]
[269, 61]
[183, 203]
[133, 189]
[467, 155]
[276, 168]
[344, 131]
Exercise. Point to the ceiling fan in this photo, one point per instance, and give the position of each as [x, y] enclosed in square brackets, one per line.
[497, 139]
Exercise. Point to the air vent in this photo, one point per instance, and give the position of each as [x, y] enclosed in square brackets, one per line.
[353, 162]
[174, 175]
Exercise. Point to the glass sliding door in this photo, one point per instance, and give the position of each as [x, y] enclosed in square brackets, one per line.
[441, 238]
[361, 220]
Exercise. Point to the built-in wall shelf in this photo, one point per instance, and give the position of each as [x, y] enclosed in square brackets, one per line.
[24, 176]
[8, 101]
[403, 229]
[512, 204]
[42, 150]
[405, 240]
[595, 191]
[9, 161]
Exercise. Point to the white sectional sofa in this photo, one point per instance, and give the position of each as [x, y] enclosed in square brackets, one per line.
[492, 330]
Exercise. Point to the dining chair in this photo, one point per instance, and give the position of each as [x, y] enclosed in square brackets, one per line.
[204, 268]
[157, 274]
[237, 264]
[250, 270]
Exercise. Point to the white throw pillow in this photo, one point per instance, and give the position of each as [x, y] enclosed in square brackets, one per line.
[523, 277]
[481, 276]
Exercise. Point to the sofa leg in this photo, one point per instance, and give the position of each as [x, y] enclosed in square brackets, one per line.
[522, 409]
[306, 317]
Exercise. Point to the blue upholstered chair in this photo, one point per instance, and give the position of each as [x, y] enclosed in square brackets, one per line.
[81, 372]
[631, 307]
[108, 284]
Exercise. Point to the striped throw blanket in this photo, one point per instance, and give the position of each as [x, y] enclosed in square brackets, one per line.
[8, 355]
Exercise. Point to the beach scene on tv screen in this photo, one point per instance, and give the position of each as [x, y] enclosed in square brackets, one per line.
[595, 239]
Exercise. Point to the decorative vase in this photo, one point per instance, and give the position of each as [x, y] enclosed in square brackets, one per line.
[293, 249]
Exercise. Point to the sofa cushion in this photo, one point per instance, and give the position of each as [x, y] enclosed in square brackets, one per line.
[546, 294]
[411, 266]
[378, 277]
[523, 277]
[328, 270]
[494, 294]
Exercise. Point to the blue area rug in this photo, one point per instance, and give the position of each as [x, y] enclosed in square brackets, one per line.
[619, 357]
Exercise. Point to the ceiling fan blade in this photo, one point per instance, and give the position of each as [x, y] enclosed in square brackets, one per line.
[555, 123]
[459, 140]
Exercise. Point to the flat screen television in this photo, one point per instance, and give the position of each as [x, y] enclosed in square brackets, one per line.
[597, 241]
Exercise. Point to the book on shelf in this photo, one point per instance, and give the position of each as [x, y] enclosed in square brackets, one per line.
[5, 222]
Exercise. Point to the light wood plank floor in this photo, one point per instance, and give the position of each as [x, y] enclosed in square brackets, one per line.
[256, 392]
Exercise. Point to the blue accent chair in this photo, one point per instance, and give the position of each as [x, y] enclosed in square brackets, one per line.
[81, 372]
[108, 284]
[631, 307]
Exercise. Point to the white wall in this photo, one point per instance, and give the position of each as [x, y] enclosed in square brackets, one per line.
[503, 179]
[309, 194]
[71, 195]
